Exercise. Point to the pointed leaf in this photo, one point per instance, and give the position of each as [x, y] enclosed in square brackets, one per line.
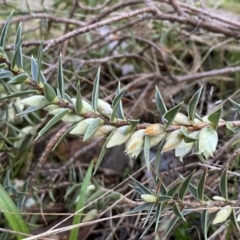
[119, 112]
[96, 90]
[81, 201]
[52, 122]
[235, 105]
[233, 219]
[185, 185]
[223, 183]
[134, 123]
[5, 30]
[214, 118]
[171, 192]
[39, 77]
[60, 78]
[50, 93]
[192, 105]
[79, 104]
[63, 136]
[139, 208]
[92, 128]
[103, 151]
[160, 103]
[189, 137]
[193, 190]
[149, 213]
[29, 110]
[34, 68]
[169, 116]
[177, 212]
[158, 215]
[164, 198]
[147, 151]
[19, 61]
[201, 185]
[171, 224]
[12, 214]
[17, 55]
[115, 104]
[141, 187]
[21, 78]
[204, 221]
[18, 94]
[158, 154]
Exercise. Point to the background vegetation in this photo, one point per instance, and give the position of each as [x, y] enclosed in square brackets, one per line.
[177, 46]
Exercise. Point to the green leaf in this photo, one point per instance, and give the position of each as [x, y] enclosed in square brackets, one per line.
[201, 185]
[214, 118]
[160, 103]
[115, 105]
[223, 183]
[92, 128]
[149, 213]
[50, 93]
[141, 187]
[192, 105]
[17, 55]
[96, 90]
[19, 94]
[158, 154]
[171, 224]
[18, 48]
[184, 187]
[60, 78]
[34, 68]
[119, 112]
[39, 77]
[81, 202]
[79, 103]
[177, 212]
[147, 151]
[5, 74]
[235, 105]
[5, 30]
[169, 116]
[29, 110]
[12, 214]
[52, 122]
[21, 78]
[102, 153]
[233, 219]
[188, 138]
[63, 136]
[164, 198]
[193, 190]
[171, 192]
[204, 221]
[139, 208]
[157, 217]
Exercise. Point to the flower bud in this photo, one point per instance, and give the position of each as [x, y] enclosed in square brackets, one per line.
[103, 131]
[135, 144]
[149, 198]
[154, 129]
[181, 119]
[104, 108]
[173, 140]
[120, 136]
[82, 126]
